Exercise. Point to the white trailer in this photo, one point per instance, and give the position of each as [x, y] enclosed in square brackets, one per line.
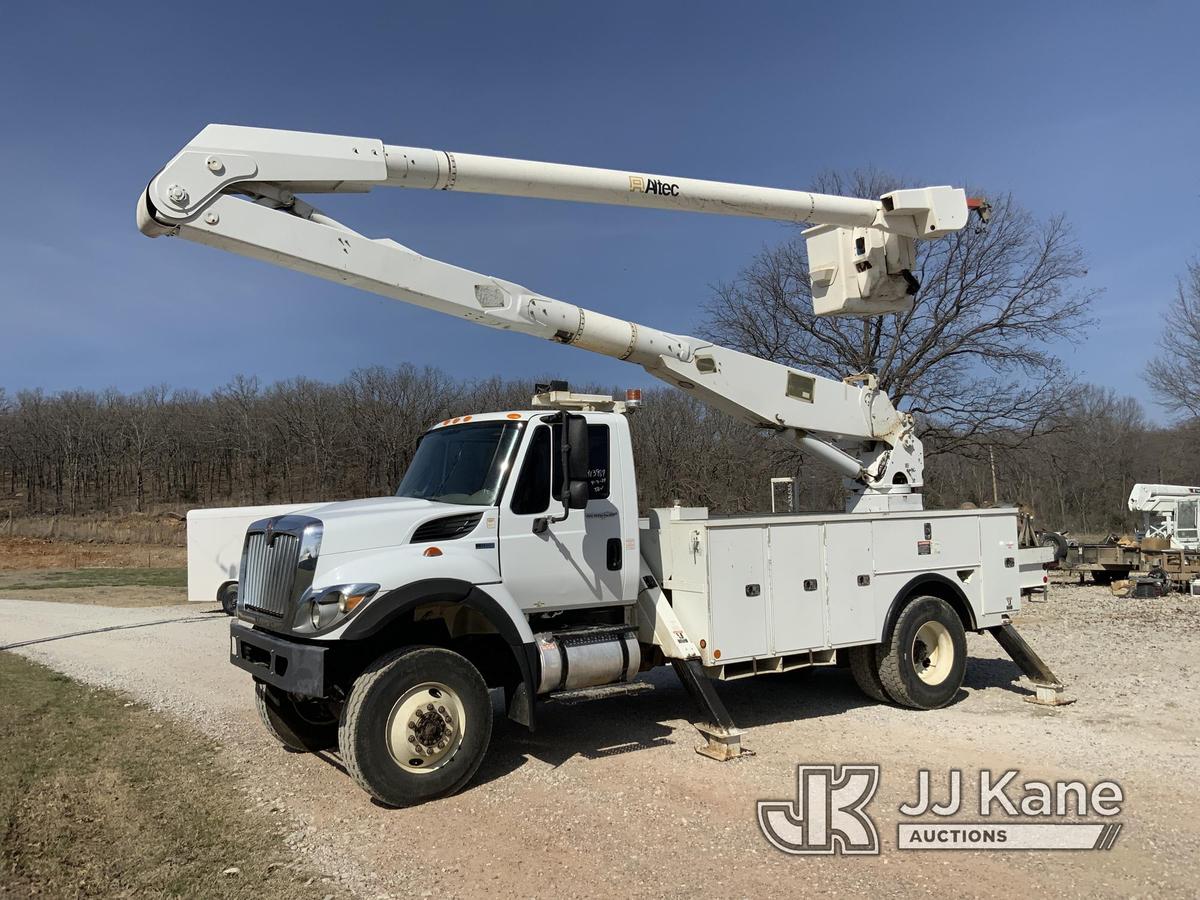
[513, 555]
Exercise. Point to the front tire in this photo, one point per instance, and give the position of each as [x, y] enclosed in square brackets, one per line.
[300, 724]
[923, 662]
[416, 725]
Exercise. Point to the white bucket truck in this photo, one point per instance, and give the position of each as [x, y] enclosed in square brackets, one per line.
[514, 556]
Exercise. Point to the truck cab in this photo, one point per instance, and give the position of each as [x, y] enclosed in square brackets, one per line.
[513, 552]
[479, 504]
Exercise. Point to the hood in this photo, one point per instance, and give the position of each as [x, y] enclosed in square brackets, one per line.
[378, 521]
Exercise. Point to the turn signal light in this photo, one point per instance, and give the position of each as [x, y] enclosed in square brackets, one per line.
[432, 551]
[350, 602]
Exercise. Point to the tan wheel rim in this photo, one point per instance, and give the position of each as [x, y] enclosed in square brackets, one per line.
[933, 653]
[425, 728]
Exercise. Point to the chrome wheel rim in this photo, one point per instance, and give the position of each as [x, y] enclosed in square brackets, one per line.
[933, 653]
[425, 727]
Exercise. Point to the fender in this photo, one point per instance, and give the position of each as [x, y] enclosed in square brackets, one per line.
[491, 601]
[943, 586]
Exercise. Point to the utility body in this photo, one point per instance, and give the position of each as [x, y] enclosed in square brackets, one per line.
[514, 555]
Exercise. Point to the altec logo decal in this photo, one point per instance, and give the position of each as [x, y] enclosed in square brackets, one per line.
[641, 185]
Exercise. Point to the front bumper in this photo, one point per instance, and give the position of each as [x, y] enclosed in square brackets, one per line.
[288, 665]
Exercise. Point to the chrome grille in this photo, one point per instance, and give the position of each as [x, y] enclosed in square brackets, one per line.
[270, 572]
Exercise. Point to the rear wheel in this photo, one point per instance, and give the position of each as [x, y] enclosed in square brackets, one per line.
[864, 666]
[923, 662]
[227, 595]
[416, 726]
[300, 724]
[1103, 576]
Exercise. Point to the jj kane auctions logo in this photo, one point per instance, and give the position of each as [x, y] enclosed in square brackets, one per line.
[829, 814]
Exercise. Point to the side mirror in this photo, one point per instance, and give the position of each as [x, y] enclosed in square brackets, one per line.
[576, 488]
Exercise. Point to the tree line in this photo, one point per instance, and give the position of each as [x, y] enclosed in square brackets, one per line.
[79, 451]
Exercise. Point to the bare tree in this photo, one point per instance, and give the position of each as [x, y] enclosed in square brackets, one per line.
[973, 355]
[1174, 376]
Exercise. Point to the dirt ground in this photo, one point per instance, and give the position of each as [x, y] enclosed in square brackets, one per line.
[609, 796]
[92, 573]
[33, 553]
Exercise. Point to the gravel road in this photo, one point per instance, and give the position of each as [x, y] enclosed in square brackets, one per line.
[608, 795]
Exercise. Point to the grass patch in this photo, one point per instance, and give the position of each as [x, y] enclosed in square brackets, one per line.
[102, 797]
[128, 587]
[85, 578]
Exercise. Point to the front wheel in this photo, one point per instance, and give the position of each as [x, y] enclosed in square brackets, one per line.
[923, 662]
[416, 725]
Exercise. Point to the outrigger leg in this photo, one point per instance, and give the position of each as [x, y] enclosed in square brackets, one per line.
[1048, 690]
[723, 738]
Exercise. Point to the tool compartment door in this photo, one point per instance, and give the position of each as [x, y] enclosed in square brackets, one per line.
[850, 569]
[738, 592]
[797, 587]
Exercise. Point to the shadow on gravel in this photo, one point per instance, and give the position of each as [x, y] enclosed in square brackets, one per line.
[983, 674]
[643, 720]
[645, 716]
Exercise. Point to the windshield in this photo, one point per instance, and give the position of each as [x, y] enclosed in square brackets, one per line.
[461, 464]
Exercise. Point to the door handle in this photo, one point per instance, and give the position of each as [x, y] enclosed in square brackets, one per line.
[614, 554]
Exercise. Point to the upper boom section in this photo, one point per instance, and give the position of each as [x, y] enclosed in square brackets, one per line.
[235, 189]
[861, 254]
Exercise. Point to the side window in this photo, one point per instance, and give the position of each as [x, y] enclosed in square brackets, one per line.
[597, 462]
[532, 493]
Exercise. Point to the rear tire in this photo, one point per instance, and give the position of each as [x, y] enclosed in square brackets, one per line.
[923, 662]
[864, 666]
[227, 595]
[300, 724]
[1102, 577]
[416, 725]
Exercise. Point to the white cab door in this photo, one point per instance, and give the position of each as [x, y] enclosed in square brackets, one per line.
[572, 563]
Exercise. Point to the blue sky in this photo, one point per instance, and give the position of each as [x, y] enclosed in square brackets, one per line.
[1084, 108]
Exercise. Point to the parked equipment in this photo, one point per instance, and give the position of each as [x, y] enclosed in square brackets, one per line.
[1169, 513]
[513, 555]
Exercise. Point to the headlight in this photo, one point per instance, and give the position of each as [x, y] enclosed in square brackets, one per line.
[326, 605]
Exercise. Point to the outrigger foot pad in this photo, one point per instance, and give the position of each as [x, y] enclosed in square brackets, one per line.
[723, 739]
[1047, 689]
[721, 744]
